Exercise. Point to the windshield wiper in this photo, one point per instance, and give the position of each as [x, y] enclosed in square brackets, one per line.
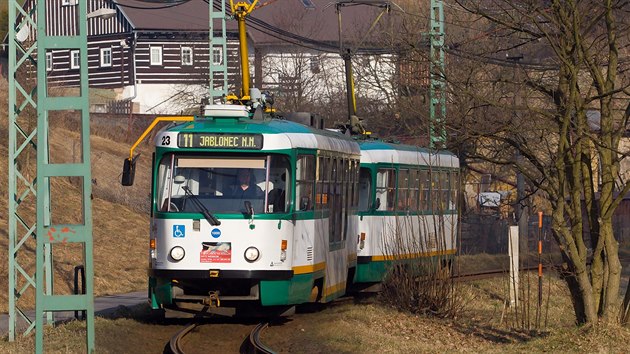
[206, 213]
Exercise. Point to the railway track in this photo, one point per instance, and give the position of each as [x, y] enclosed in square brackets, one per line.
[251, 345]
[175, 343]
[491, 273]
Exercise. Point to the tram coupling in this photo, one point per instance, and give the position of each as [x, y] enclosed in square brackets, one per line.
[213, 299]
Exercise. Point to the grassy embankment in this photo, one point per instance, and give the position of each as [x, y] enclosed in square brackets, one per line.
[120, 214]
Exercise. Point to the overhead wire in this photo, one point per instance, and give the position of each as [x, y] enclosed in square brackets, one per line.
[171, 4]
[290, 37]
[321, 46]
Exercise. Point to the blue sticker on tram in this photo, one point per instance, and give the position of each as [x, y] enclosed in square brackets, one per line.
[179, 231]
[216, 233]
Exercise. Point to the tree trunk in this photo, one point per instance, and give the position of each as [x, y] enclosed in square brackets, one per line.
[625, 308]
[614, 269]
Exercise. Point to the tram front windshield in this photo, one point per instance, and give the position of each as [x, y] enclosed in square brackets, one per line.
[223, 184]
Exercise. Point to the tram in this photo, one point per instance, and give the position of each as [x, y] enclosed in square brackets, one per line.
[407, 207]
[250, 212]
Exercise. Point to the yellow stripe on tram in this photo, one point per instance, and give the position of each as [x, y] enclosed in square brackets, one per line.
[334, 289]
[311, 268]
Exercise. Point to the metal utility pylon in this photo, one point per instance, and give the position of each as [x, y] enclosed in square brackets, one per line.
[32, 231]
[217, 12]
[437, 84]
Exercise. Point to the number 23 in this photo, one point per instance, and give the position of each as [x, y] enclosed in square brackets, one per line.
[166, 140]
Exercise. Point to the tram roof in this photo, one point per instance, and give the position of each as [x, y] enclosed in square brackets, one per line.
[378, 151]
[279, 133]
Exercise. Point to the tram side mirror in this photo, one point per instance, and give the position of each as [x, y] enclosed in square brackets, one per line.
[377, 203]
[304, 203]
[129, 171]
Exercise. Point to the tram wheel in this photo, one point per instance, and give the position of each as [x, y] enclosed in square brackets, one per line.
[314, 294]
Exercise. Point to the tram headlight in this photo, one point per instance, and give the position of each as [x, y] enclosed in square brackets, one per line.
[252, 254]
[177, 253]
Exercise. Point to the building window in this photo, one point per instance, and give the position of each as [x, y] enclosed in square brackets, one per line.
[74, 59]
[49, 61]
[68, 2]
[156, 55]
[106, 57]
[217, 55]
[187, 56]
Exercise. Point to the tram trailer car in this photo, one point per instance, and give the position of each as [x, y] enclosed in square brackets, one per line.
[407, 207]
[284, 234]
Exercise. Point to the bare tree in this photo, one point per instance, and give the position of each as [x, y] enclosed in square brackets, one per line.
[556, 112]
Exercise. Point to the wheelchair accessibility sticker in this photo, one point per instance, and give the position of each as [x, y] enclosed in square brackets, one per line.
[179, 231]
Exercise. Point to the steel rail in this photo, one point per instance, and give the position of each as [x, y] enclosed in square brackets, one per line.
[255, 345]
[175, 345]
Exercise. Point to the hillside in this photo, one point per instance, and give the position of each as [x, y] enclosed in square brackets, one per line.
[120, 214]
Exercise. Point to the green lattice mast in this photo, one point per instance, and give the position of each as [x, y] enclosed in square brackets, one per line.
[218, 46]
[30, 107]
[437, 85]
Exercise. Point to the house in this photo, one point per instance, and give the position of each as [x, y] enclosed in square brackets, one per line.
[307, 61]
[153, 57]
[145, 52]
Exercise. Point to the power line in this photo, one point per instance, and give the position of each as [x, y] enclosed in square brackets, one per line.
[171, 4]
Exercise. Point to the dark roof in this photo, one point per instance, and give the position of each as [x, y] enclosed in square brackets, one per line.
[289, 17]
[320, 23]
[189, 15]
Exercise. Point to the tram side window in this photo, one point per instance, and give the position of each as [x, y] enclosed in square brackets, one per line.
[305, 181]
[365, 189]
[342, 184]
[454, 186]
[445, 190]
[332, 199]
[319, 183]
[425, 190]
[403, 188]
[279, 196]
[439, 187]
[355, 183]
[163, 194]
[414, 191]
[327, 182]
[385, 189]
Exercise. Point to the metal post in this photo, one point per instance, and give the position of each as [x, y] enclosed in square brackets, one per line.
[521, 212]
[352, 103]
[437, 85]
[540, 269]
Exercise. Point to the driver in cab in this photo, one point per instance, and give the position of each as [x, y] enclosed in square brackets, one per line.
[245, 186]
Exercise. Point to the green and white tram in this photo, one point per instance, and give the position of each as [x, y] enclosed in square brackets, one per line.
[407, 207]
[249, 212]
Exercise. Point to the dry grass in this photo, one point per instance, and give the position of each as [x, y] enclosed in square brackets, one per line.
[120, 216]
[361, 327]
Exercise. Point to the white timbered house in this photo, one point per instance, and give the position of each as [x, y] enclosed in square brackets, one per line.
[144, 52]
[152, 57]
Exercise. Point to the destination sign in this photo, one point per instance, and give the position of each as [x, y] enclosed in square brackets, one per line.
[220, 141]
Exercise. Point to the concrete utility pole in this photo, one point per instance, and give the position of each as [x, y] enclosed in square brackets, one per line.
[521, 211]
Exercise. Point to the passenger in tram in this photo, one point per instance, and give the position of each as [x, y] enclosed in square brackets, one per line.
[277, 195]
